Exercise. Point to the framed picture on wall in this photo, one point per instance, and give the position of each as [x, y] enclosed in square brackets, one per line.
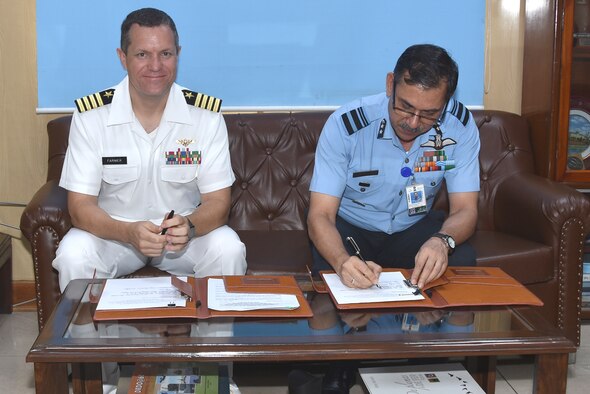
[578, 157]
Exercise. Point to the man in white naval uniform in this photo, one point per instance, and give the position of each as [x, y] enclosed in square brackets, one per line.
[138, 151]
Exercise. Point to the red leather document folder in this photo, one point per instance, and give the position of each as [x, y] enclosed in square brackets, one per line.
[459, 286]
[196, 306]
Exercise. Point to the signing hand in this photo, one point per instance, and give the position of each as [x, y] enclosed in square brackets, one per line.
[357, 274]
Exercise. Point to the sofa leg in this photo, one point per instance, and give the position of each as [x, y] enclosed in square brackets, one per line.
[5, 274]
[571, 358]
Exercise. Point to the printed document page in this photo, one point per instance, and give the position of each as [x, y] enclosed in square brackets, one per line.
[219, 299]
[140, 293]
[392, 288]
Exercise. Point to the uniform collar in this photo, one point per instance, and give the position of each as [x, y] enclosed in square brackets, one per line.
[177, 110]
[121, 112]
[388, 133]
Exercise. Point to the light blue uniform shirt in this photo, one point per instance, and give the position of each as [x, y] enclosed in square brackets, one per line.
[359, 159]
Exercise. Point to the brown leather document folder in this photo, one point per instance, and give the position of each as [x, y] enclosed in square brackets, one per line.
[196, 306]
[459, 286]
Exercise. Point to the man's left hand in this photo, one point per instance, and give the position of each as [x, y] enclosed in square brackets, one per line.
[177, 233]
[431, 262]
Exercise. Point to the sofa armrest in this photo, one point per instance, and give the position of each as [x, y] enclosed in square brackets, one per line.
[44, 223]
[556, 215]
[539, 209]
[48, 207]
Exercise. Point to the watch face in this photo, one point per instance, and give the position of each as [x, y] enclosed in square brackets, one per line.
[451, 242]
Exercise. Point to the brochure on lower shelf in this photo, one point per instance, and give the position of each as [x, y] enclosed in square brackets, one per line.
[459, 286]
[202, 298]
[449, 378]
[177, 378]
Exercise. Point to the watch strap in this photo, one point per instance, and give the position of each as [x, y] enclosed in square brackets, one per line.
[445, 238]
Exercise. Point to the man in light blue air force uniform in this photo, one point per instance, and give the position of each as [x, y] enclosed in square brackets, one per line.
[379, 164]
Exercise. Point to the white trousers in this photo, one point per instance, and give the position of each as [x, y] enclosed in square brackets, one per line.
[84, 255]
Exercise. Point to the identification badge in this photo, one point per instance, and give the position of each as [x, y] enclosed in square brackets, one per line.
[416, 199]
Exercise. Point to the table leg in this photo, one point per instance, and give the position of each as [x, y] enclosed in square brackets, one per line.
[483, 370]
[550, 373]
[51, 378]
[87, 378]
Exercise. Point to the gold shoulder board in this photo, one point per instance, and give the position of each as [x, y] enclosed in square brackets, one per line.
[202, 100]
[95, 100]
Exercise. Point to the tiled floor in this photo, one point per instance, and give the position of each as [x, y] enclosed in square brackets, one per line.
[18, 331]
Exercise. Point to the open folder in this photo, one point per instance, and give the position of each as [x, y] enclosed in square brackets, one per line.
[459, 286]
[234, 296]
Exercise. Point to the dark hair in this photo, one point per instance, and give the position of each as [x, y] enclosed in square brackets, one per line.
[146, 17]
[427, 65]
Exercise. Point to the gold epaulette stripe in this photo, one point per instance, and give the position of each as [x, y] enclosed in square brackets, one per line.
[201, 100]
[95, 100]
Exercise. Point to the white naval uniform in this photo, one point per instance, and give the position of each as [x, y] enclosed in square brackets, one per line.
[137, 177]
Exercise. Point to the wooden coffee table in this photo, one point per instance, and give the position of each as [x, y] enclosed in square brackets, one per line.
[479, 335]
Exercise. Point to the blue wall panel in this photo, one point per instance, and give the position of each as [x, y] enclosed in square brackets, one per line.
[262, 52]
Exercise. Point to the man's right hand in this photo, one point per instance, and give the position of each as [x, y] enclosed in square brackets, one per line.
[88, 216]
[353, 272]
[146, 238]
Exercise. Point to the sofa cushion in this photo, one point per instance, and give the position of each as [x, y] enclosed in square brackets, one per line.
[527, 261]
[276, 252]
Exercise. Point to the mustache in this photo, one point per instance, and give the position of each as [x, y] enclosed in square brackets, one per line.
[405, 127]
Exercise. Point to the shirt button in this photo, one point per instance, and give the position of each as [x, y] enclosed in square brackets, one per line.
[401, 192]
[407, 160]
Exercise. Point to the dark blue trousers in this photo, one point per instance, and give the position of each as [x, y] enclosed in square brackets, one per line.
[395, 250]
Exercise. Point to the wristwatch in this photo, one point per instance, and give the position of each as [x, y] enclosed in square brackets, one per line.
[191, 228]
[449, 241]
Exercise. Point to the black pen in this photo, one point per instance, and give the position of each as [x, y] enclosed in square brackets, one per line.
[170, 216]
[357, 251]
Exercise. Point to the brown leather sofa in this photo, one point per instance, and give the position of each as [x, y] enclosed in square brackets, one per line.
[531, 227]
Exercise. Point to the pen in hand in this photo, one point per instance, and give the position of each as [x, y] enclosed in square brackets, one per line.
[170, 216]
[357, 252]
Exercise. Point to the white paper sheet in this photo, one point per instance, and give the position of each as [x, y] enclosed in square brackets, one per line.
[140, 293]
[449, 378]
[220, 300]
[392, 288]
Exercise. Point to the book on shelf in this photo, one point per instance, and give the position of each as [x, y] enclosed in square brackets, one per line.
[450, 378]
[179, 378]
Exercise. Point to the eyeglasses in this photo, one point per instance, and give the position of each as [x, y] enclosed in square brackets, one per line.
[409, 114]
[405, 114]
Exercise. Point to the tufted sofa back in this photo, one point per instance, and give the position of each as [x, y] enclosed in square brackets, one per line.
[272, 158]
